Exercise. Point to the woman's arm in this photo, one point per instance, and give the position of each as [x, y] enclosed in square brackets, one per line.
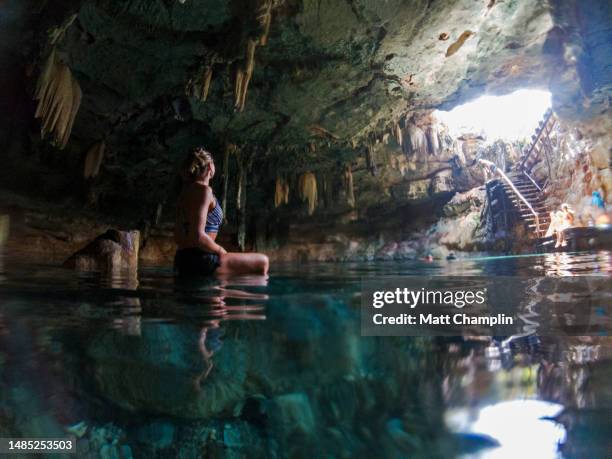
[205, 242]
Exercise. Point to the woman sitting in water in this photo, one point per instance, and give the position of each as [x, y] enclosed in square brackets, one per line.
[198, 218]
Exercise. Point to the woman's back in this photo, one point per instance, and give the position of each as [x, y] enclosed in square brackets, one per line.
[188, 211]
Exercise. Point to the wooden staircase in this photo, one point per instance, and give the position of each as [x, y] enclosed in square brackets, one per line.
[535, 197]
[540, 146]
[519, 190]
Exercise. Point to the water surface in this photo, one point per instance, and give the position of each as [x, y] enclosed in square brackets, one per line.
[277, 367]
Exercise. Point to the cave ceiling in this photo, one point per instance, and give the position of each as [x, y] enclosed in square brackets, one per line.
[331, 72]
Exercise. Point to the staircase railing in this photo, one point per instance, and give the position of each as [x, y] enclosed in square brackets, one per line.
[532, 180]
[542, 130]
[494, 168]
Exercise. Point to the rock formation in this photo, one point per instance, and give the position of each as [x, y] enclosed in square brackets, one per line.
[111, 252]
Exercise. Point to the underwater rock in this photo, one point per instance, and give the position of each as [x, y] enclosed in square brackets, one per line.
[232, 437]
[158, 435]
[82, 447]
[112, 251]
[400, 437]
[241, 437]
[294, 413]
[78, 430]
[105, 452]
[470, 443]
[137, 374]
[126, 452]
[109, 451]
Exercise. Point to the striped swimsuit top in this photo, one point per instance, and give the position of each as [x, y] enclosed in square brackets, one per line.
[214, 218]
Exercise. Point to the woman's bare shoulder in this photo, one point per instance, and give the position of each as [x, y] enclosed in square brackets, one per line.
[198, 189]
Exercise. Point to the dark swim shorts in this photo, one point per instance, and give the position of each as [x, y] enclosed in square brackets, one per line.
[193, 261]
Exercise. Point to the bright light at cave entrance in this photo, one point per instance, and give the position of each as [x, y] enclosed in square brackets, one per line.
[511, 117]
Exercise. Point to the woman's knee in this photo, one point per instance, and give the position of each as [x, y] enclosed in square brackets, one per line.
[262, 262]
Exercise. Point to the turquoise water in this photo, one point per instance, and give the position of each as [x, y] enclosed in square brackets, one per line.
[277, 367]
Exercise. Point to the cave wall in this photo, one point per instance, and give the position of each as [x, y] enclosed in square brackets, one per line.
[335, 85]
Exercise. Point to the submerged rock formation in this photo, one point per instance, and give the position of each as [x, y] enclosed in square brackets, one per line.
[283, 88]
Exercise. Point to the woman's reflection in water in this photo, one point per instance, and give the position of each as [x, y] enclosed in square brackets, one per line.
[218, 305]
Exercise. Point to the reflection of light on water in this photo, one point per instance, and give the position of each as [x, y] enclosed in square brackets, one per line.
[574, 264]
[559, 264]
[519, 428]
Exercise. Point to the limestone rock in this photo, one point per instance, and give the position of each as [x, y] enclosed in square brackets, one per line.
[138, 374]
[464, 202]
[159, 435]
[4, 228]
[112, 251]
[293, 414]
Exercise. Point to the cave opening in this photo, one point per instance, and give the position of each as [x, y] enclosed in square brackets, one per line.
[510, 117]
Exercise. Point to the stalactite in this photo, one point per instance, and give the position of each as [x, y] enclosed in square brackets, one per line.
[308, 190]
[93, 160]
[370, 159]
[286, 193]
[325, 181]
[238, 87]
[206, 79]
[229, 149]
[348, 183]
[241, 201]
[433, 142]
[402, 164]
[244, 74]
[265, 20]
[77, 96]
[281, 192]
[399, 136]
[417, 141]
[59, 98]
[57, 33]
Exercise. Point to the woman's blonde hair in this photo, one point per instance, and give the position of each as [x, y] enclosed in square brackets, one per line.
[196, 163]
